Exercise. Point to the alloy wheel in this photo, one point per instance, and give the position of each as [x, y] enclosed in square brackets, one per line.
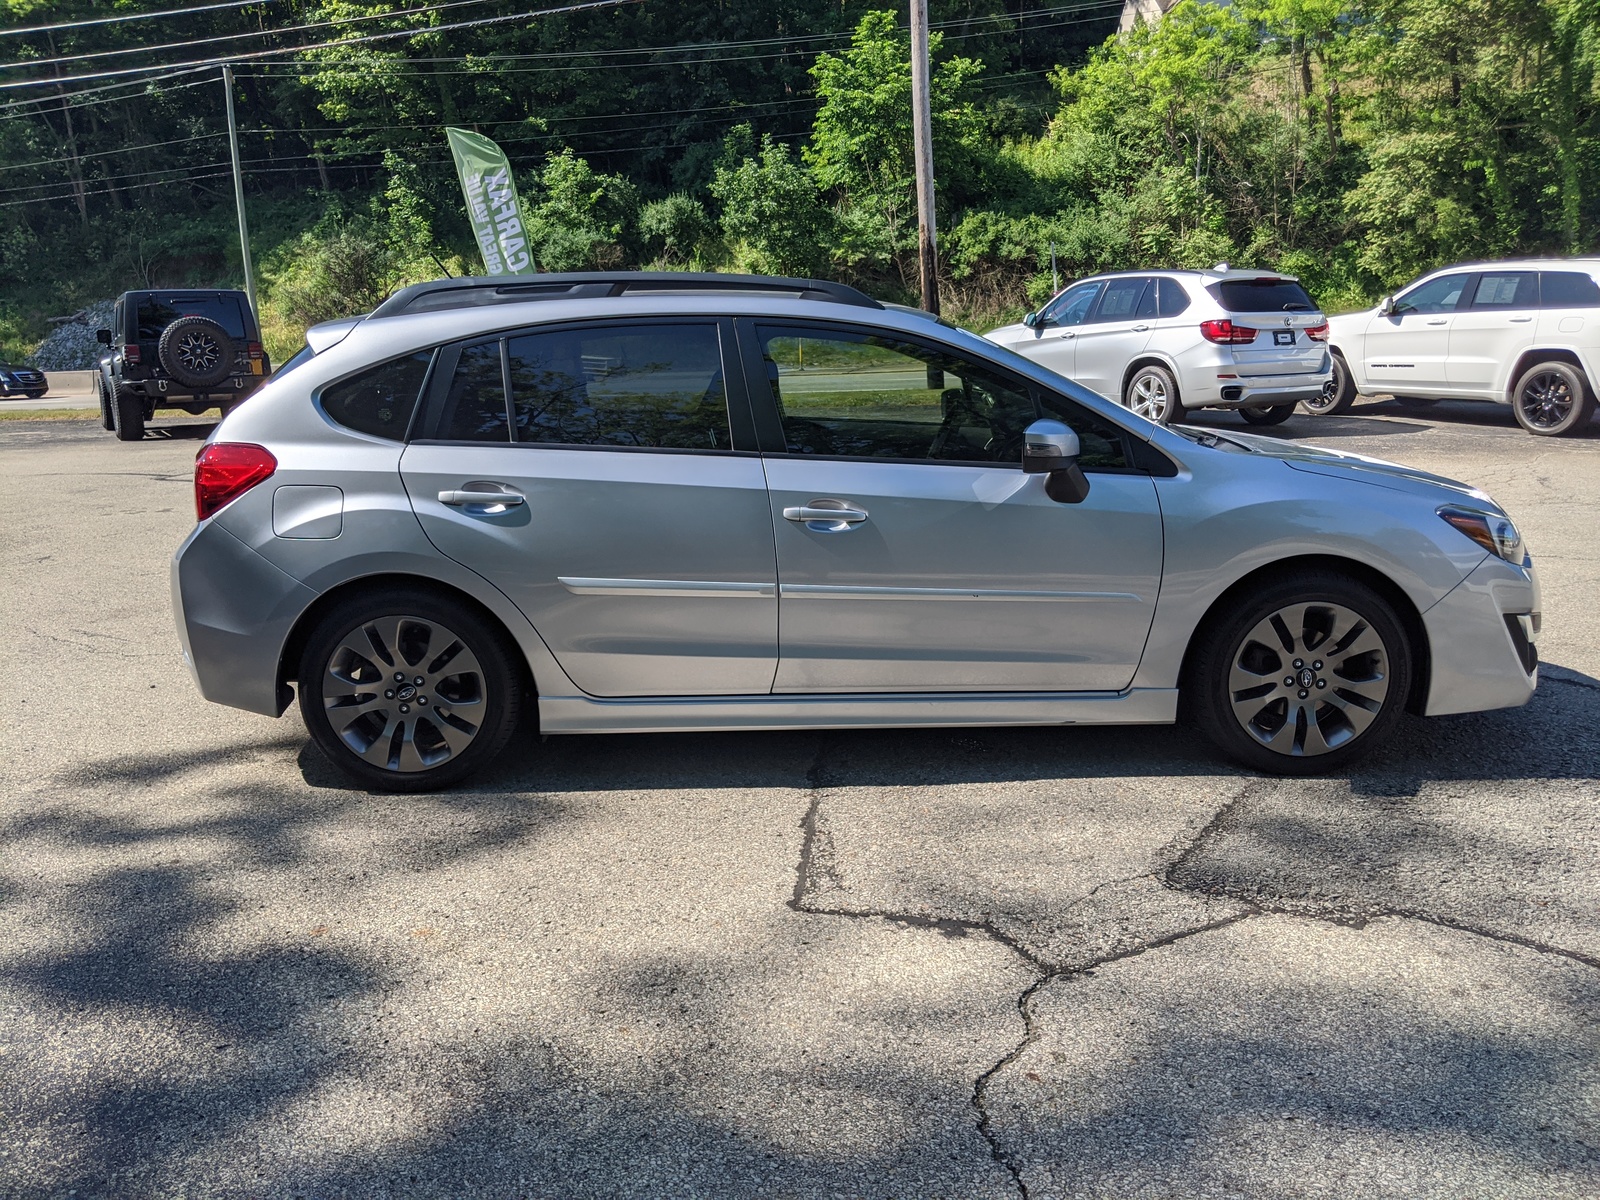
[404, 693]
[198, 352]
[1149, 397]
[1309, 678]
[1546, 400]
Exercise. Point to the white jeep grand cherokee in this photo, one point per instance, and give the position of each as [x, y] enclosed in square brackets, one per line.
[1523, 333]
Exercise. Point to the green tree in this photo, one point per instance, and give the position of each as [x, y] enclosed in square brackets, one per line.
[772, 213]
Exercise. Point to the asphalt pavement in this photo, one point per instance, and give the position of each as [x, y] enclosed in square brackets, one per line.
[966, 963]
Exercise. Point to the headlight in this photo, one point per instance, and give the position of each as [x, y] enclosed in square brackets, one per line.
[1493, 531]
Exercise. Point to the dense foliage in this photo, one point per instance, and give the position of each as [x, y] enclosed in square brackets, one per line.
[1356, 142]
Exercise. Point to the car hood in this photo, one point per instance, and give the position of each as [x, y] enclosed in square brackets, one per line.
[1341, 464]
[1012, 335]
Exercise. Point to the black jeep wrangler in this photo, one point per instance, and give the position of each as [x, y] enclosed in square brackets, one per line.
[190, 349]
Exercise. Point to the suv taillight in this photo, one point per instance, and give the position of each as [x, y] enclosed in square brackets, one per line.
[1318, 333]
[254, 349]
[130, 354]
[224, 471]
[1226, 333]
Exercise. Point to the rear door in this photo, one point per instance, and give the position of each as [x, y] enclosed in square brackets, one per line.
[1406, 352]
[946, 568]
[1117, 330]
[635, 532]
[1280, 312]
[1496, 322]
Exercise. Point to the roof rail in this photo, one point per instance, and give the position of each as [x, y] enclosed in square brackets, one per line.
[474, 291]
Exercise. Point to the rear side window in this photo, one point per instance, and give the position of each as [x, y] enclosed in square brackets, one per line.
[1173, 298]
[1121, 299]
[1568, 289]
[156, 313]
[1506, 289]
[658, 387]
[475, 406]
[1262, 295]
[379, 401]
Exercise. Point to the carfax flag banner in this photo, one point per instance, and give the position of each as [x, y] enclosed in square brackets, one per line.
[491, 202]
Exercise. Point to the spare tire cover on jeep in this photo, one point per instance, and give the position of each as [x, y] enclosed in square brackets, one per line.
[197, 352]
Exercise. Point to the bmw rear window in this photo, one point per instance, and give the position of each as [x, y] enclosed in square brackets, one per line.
[1266, 294]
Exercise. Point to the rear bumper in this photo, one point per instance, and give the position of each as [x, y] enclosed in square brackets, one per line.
[1221, 385]
[234, 612]
[1480, 658]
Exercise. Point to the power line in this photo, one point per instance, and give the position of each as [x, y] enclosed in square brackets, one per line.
[477, 23]
[60, 103]
[171, 12]
[50, 162]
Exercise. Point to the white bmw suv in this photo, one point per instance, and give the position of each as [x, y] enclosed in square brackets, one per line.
[1161, 342]
[1523, 333]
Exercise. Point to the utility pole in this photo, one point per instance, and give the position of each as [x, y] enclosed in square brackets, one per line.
[238, 193]
[922, 145]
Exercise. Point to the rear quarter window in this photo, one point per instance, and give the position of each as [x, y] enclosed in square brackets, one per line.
[1568, 289]
[1261, 295]
[379, 401]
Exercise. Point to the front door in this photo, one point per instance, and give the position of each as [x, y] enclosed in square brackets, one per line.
[633, 533]
[914, 554]
[1055, 337]
[1406, 352]
[1116, 332]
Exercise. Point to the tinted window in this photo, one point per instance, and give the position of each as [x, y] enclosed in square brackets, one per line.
[1266, 294]
[1435, 296]
[1506, 289]
[1072, 306]
[1121, 299]
[475, 406]
[1568, 289]
[156, 313]
[379, 401]
[863, 396]
[1173, 298]
[655, 386]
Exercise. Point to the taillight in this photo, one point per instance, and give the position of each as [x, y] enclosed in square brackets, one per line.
[1226, 333]
[254, 350]
[224, 471]
[130, 354]
[1318, 333]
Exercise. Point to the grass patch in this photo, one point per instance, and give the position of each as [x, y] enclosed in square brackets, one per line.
[49, 414]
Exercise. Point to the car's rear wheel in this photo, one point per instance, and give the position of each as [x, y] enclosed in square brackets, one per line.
[1338, 394]
[408, 692]
[127, 414]
[1552, 398]
[1306, 675]
[1152, 392]
[1276, 415]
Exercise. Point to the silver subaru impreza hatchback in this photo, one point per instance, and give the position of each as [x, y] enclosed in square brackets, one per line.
[650, 502]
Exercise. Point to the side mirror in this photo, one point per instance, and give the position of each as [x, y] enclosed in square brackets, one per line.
[1031, 320]
[103, 336]
[1051, 449]
[1386, 307]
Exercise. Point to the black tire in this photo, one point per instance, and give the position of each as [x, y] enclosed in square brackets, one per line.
[197, 352]
[1276, 415]
[1152, 392]
[127, 414]
[1338, 394]
[477, 672]
[1347, 693]
[107, 421]
[1552, 398]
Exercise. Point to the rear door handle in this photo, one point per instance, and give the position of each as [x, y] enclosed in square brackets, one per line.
[826, 516]
[491, 497]
[1141, 328]
[1520, 320]
[1440, 321]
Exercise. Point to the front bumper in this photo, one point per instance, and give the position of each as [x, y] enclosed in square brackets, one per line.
[234, 612]
[1480, 640]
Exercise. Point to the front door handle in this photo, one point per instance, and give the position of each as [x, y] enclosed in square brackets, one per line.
[491, 497]
[1141, 328]
[1440, 321]
[826, 516]
[1520, 320]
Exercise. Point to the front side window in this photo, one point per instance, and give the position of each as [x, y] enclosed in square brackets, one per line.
[1435, 296]
[1072, 306]
[652, 387]
[379, 401]
[1121, 301]
[1568, 289]
[1506, 289]
[859, 395]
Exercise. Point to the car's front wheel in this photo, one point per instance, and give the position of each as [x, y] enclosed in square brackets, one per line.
[408, 692]
[1152, 392]
[1552, 398]
[1337, 395]
[107, 421]
[1276, 415]
[1304, 676]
